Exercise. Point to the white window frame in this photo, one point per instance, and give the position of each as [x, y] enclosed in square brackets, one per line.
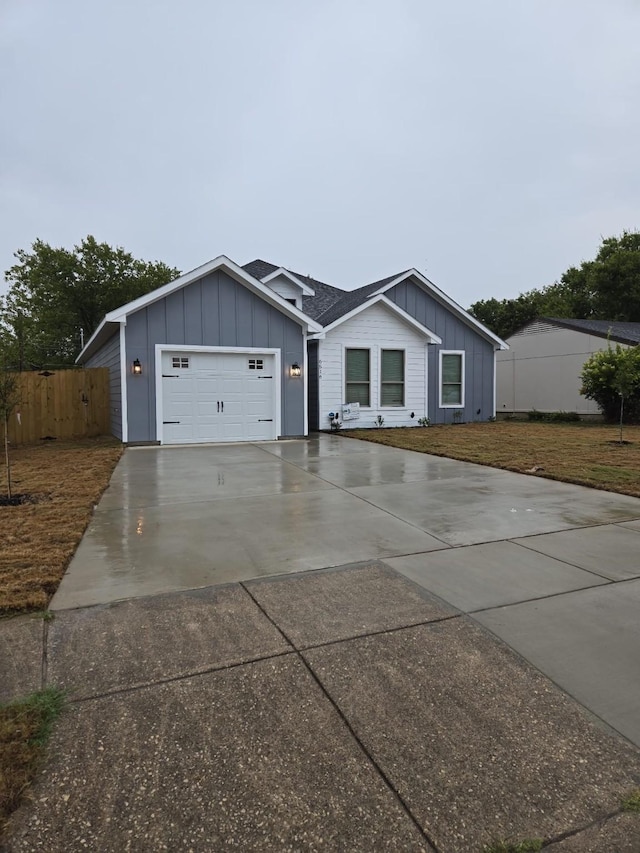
[369, 349]
[384, 349]
[442, 353]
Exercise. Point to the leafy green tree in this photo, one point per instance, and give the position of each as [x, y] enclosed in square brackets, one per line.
[54, 293]
[606, 288]
[611, 378]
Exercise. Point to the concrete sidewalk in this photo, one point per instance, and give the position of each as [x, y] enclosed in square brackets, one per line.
[346, 709]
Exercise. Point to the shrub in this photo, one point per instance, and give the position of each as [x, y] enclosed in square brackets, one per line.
[553, 417]
[612, 379]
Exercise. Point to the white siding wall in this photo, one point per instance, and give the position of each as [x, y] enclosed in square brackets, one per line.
[541, 370]
[375, 328]
[286, 289]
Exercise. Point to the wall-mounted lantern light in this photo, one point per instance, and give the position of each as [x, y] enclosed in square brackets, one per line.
[136, 368]
[295, 369]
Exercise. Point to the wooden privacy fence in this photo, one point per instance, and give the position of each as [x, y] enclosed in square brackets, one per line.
[60, 404]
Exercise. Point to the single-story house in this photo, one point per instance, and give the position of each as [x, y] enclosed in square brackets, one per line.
[542, 368]
[253, 353]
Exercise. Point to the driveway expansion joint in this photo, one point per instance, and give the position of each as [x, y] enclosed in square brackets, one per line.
[381, 773]
[196, 673]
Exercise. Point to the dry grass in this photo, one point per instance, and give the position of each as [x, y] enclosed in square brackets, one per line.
[38, 540]
[587, 454]
[24, 729]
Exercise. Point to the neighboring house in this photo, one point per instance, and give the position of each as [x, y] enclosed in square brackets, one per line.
[542, 368]
[230, 353]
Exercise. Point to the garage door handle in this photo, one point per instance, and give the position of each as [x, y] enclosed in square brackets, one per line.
[218, 405]
[265, 420]
[171, 376]
[222, 406]
[170, 422]
[265, 377]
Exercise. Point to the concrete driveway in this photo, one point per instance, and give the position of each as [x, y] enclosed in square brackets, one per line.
[553, 569]
[225, 697]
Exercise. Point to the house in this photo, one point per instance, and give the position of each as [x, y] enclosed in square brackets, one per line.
[542, 367]
[254, 353]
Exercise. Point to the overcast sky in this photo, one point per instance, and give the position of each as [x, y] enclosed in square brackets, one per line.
[489, 144]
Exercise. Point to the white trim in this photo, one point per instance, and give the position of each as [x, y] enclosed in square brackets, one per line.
[308, 291]
[407, 318]
[124, 373]
[369, 349]
[305, 379]
[447, 300]
[495, 359]
[462, 376]
[223, 263]
[426, 380]
[161, 348]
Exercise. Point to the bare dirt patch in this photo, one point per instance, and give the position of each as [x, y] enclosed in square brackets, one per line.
[586, 454]
[37, 539]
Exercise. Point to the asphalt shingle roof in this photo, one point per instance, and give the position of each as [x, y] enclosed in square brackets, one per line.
[623, 332]
[329, 303]
[325, 294]
[352, 299]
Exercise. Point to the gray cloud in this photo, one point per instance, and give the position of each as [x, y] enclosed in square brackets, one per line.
[488, 144]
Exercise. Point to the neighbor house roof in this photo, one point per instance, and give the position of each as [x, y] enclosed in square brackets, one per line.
[617, 330]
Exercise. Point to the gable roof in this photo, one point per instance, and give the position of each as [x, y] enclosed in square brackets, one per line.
[282, 272]
[325, 294]
[352, 299]
[119, 316]
[381, 299]
[332, 304]
[617, 330]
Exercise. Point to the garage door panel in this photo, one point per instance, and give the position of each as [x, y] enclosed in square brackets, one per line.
[218, 397]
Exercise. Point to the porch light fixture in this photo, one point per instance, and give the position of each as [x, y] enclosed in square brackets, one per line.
[136, 368]
[295, 369]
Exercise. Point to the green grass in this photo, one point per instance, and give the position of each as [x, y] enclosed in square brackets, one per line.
[632, 802]
[25, 726]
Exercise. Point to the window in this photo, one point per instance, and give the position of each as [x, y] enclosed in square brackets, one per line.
[392, 377]
[256, 364]
[451, 379]
[357, 376]
[179, 363]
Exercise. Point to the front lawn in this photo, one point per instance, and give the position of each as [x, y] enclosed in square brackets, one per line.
[583, 453]
[38, 539]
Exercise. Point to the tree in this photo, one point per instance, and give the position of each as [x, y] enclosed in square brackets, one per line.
[611, 378]
[56, 295]
[606, 288]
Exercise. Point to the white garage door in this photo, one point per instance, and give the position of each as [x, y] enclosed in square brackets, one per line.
[217, 397]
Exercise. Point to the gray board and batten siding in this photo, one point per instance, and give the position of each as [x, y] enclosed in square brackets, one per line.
[214, 311]
[109, 356]
[456, 335]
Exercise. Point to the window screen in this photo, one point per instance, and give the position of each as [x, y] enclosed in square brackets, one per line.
[392, 378]
[451, 379]
[357, 375]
